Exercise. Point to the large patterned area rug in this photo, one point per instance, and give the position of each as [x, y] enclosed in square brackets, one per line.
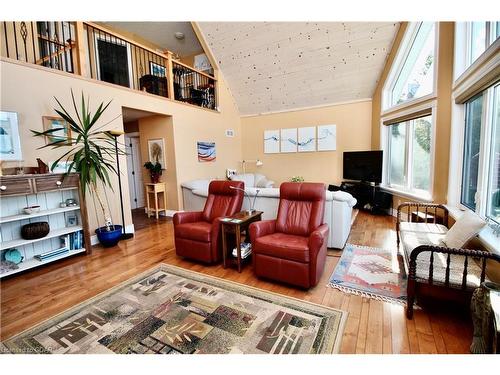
[371, 272]
[169, 310]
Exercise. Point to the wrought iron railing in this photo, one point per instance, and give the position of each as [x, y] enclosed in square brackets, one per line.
[98, 53]
[194, 87]
[119, 61]
[46, 43]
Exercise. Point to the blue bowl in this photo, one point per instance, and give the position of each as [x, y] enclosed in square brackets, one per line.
[109, 238]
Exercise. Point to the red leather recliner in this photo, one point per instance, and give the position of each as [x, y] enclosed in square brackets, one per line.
[292, 248]
[198, 234]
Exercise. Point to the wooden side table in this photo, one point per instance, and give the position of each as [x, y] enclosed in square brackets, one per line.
[236, 224]
[159, 193]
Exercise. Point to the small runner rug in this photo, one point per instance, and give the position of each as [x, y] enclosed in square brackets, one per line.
[169, 310]
[371, 272]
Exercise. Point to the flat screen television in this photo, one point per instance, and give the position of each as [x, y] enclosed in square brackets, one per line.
[363, 166]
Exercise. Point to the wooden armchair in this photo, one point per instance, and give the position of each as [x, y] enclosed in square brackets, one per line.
[434, 269]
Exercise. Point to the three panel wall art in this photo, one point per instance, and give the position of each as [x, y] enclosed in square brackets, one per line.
[307, 139]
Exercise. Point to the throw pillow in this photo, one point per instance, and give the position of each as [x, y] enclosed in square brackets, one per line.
[247, 178]
[262, 183]
[466, 227]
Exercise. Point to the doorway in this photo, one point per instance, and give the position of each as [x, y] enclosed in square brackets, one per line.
[134, 170]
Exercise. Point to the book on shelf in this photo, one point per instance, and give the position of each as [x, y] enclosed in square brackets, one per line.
[51, 253]
[73, 241]
[231, 220]
[246, 250]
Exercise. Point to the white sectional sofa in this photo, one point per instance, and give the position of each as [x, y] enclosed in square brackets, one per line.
[338, 207]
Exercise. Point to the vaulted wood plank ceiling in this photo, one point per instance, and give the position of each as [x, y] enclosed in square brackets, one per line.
[280, 66]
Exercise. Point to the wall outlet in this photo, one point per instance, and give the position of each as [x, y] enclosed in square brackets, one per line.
[230, 173]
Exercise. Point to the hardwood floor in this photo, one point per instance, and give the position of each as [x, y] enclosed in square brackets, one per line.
[372, 326]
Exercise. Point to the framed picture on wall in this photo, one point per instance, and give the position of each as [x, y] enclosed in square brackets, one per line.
[289, 140]
[271, 141]
[156, 151]
[157, 69]
[10, 143]
[206, 152]
[307, 139]
[61, 167]
[327, 138]
[61, 131]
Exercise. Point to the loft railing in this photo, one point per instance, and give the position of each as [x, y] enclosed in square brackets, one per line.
[95, 52]
[46, 43]
[116, 60]
[193, 86]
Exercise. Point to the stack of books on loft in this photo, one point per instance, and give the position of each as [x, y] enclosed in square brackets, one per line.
[71, 241]
[246, 250]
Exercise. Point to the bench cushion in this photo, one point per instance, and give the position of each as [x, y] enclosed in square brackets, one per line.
[416, 234]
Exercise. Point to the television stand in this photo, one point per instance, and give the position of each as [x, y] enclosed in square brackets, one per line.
[369, 196]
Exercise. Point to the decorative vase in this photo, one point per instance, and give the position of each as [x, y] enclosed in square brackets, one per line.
[33, 231]
[155, 178]
[109, 238]
[481, 310]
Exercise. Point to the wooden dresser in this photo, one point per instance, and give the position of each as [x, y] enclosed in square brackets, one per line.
[68, 224]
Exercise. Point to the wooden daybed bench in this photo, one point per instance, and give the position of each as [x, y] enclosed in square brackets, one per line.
[432, 268]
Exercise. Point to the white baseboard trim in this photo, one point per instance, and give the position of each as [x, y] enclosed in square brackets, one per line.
[168, 213]
[128, 229]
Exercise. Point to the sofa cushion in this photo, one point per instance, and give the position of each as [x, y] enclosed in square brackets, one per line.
[247, 178]
[341, 196]
[423, 227]
[196, 184]
[198, 231]
[262, 182]
[416, 234]
[284, 246]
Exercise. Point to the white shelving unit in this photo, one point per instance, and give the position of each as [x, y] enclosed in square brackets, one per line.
[9, 219]
[32, 263]
[52, 234]
[47, 191]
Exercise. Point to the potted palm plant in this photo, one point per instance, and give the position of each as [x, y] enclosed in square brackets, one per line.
[91, 154]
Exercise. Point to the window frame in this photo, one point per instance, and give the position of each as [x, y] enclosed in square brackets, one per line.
[405, 47]
[462, 151]
[407, 190]
[118, 42]
[484, 167]
[466, 79]
[462, 64]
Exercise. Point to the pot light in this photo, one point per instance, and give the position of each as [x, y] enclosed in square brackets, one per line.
[179, 35]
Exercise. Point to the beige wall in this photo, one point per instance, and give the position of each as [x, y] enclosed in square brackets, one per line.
[353, 134]
[161, 127]
[442, 112]
[29, 91]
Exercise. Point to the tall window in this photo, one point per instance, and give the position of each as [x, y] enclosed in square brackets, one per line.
[415, 76]
[477, 40]
[480, 190]
[408, 138]
[493, 193]
[410, 156]
[472, 40]
[472, 139]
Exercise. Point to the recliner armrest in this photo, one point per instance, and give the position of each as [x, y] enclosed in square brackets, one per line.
[187, 217]
[318, 237]
[262, 228]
